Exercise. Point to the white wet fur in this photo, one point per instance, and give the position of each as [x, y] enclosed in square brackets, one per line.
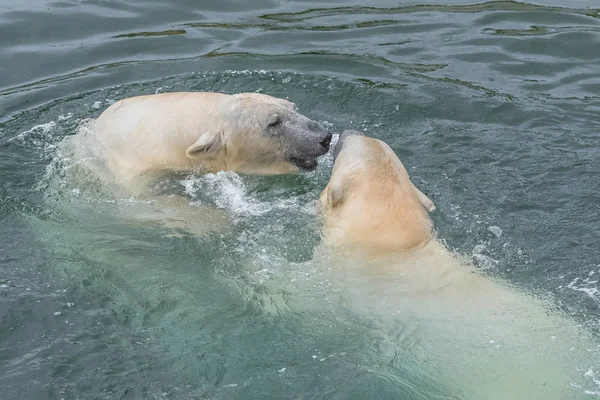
[186, 130]
[85, 169]
[136, 139]
[481, 337]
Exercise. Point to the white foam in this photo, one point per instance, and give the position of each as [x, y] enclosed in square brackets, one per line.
[484, 261]
[479, 249]
[586, 286]
[496, 230]
[230, 193]
[65, 117]
[42, 129]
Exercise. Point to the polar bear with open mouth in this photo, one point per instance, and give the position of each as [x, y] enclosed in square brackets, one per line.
[247, 132]
[480, 336]
[137, 138]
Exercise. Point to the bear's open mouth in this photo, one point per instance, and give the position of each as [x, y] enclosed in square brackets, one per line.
[304, 164]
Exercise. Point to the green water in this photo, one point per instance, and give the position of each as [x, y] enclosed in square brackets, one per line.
[493, 108]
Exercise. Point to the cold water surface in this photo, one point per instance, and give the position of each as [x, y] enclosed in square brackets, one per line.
[493, 108]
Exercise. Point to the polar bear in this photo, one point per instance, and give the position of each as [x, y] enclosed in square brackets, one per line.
[361, 209]
[483, 338]
[247, 132]
[137, 138]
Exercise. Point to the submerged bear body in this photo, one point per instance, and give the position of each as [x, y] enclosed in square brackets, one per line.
[480, 336]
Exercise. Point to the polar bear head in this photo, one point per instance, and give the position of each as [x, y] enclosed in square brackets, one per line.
[257, 133]
[370, 200]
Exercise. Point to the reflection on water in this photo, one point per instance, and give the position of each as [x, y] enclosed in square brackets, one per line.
[492, 107]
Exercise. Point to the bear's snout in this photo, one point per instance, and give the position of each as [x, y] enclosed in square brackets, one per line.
[326, 140]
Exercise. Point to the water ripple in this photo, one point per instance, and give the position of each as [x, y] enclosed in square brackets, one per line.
[492, 106]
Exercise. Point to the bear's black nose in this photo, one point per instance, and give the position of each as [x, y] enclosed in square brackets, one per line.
[325, 142]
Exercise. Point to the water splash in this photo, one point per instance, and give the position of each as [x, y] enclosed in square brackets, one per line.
[229, 192]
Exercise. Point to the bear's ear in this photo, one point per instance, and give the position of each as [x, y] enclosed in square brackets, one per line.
[207, 145]
[425, 201]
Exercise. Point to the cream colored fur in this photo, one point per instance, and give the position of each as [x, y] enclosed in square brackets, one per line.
[138, 138]
[371, 202]
[480, 336]
[187, 130]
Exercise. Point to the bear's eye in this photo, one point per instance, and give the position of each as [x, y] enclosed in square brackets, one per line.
[276, 120]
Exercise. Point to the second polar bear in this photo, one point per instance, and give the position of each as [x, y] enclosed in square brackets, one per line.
[481, 337]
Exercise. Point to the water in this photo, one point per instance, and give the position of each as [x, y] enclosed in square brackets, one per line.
[493, 108]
